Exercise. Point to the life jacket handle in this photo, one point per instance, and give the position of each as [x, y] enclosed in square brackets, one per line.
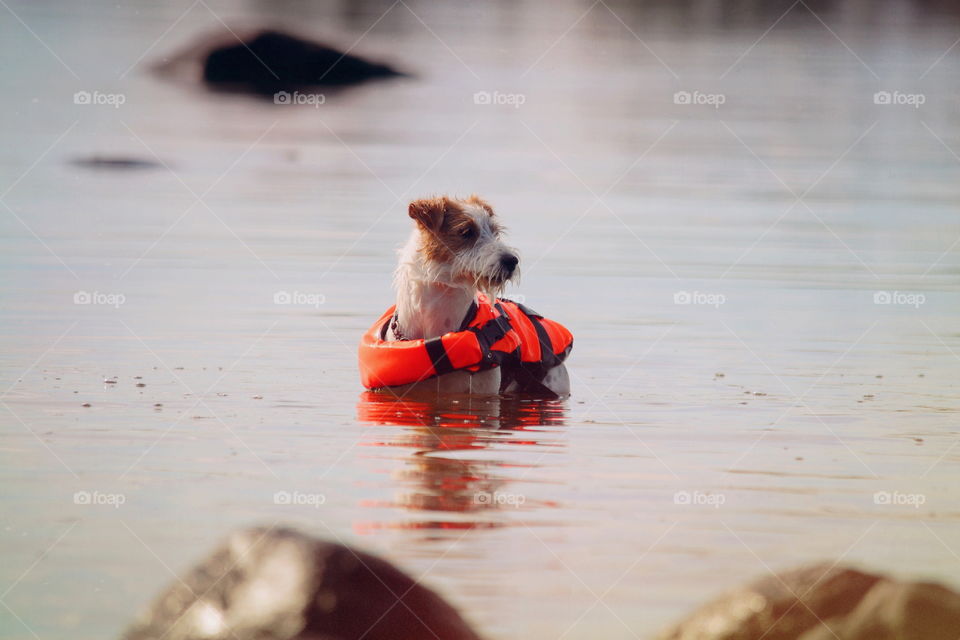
[490, 333]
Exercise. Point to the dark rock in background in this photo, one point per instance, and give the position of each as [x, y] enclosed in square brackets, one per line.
[279, 584]
[265, 62]
[273, 61]
[115, 162]
[821, 602]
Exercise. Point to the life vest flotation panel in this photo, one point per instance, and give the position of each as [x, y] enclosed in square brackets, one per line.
[503, 333]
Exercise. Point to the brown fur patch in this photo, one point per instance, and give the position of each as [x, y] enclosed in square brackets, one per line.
[445, 228]
[429, 212]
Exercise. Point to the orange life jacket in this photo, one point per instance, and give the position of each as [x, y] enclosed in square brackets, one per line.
[505, 334]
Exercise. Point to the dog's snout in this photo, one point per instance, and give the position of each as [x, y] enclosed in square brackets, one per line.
[509, 261]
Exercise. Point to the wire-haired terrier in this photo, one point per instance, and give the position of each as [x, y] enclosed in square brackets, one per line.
[449, 332]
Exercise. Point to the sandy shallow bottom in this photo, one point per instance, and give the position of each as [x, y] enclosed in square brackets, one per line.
[743, 399]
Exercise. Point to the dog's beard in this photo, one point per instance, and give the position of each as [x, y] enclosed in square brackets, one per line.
[493, 286]
[479, 273]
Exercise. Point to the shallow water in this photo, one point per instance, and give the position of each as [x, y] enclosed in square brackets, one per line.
[704, 443]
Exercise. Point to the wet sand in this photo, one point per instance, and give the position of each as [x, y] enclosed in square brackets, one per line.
[705, 442]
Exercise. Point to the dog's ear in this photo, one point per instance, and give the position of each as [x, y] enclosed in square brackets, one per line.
[429, 212]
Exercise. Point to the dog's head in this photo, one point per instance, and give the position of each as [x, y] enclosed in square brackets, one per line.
[460, 244]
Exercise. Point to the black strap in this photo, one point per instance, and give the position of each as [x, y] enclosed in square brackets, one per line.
[489, 334]
[469, 316]
[493, 330]
[438, 355]
[388, 325]
[547, 356]
[527, 311]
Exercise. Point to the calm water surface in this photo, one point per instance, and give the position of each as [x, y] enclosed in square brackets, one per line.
[704, 444]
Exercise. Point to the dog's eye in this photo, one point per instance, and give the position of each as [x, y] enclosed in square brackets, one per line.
[467, 233]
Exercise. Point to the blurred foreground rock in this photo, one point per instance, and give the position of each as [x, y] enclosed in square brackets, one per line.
[265, 62]
[280, 584]
[824, 603]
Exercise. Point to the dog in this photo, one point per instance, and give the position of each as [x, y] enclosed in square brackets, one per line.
[454, 258]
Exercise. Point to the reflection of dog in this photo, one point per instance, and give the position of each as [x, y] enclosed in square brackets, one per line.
[435, 478]
[454, 259]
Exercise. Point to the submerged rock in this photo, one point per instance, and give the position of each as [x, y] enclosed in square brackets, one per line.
[821, 602]
[267, 62]
[115, 162]
[273, 61]
[279, 584]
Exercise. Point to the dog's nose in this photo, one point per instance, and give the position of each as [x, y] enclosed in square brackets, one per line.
[509, 261]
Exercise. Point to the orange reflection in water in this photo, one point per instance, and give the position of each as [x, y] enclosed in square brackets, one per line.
[438, 480]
